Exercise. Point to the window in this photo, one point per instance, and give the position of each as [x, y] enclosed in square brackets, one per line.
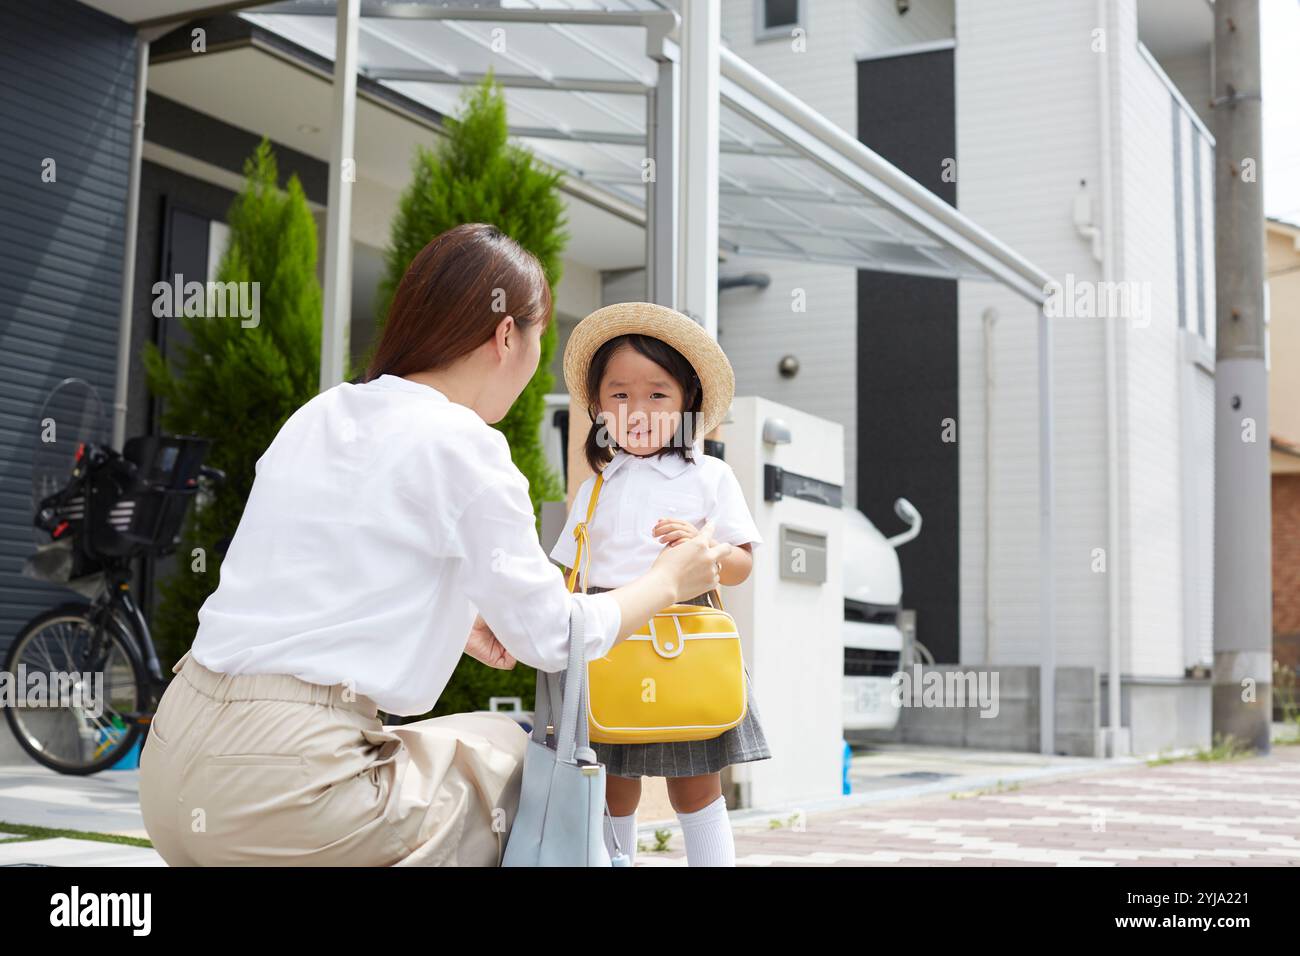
[776, 18]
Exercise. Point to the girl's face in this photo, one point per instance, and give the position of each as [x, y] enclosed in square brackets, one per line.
[640, 402]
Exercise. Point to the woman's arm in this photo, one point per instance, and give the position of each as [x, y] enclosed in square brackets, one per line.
[677, 574]
[738, 559]
[523, 599]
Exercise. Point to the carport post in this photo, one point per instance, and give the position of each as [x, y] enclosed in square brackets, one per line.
[698, 250]
[337, 312]
[1046, 521]
[661, 176]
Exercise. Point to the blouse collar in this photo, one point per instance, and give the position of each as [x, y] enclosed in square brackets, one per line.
[668, 465]
[406, 385]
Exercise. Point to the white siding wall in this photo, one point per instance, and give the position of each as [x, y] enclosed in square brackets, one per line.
[1022, 149]
[1027, 127]
[1151, 519]
[1197, 396]
[755, 327]
[1191, 74]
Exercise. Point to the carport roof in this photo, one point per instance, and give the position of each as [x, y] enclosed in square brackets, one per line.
[792, 185]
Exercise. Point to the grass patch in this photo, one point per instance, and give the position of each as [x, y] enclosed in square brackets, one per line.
[792, 820]
[1294, 738]
[662, 838]
[21, 832]
[999, 787]
[1225, 747]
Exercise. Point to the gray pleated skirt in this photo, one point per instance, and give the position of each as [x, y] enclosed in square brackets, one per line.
[740, 744]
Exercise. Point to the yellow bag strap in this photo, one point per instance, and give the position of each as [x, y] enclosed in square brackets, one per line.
[582, 557]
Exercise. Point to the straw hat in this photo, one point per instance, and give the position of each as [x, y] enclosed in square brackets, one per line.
[668, 325]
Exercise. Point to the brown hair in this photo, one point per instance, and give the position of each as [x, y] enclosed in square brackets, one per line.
[670, 360]
[443, 307]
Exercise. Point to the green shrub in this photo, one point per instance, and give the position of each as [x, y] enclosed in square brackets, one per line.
[236, 383]
[476, 175]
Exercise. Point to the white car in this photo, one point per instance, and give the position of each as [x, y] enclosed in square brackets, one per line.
[873, 640]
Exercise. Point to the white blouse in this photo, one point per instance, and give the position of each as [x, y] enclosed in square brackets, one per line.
[636, 493]
[381, 518]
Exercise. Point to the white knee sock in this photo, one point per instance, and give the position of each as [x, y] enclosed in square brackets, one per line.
[707, 832]
[625, 829]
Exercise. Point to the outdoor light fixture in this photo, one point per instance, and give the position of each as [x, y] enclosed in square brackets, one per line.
[788, 366]
[776, 432]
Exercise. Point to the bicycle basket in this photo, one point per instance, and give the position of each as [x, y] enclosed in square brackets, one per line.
[145, 514]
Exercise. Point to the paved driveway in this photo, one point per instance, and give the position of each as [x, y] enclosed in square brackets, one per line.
[1191, 813]
[1013, 809]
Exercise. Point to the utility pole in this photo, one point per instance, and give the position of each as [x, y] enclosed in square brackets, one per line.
[1243, 586]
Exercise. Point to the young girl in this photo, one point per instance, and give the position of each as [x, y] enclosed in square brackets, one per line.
[652, 380]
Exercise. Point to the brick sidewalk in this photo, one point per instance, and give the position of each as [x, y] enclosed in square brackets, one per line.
[1232, 813]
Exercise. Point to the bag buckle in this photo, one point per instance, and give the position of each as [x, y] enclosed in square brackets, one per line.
[670, 645]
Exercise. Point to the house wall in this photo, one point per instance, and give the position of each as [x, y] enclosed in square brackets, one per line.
[1166, 427]
[1022, 150]
[69, 86]
[1019, 171]
[1191, 72]
[1286, 569]
[1282, 247]
[907, 357]
[756, 328]
[1282, 252]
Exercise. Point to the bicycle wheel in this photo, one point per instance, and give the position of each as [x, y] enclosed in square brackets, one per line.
[95, 686]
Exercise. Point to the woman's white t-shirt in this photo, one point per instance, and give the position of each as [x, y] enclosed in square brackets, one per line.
[382, 516]
[636, 493]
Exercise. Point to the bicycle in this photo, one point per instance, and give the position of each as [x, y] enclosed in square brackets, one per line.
[112, 509]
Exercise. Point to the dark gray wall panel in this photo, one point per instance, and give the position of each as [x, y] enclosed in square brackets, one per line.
[907, 350]
[67, 78]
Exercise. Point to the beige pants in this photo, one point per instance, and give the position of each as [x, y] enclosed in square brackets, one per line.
[270, 770]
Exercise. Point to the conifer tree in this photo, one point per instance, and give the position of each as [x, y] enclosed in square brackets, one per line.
[238, 380]
[476, 175]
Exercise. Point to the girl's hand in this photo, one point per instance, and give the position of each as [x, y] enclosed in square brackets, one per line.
[482, 645]
[669, 531]
[688, 570]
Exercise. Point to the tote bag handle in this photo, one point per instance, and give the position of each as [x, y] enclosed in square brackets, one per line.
[572, 737]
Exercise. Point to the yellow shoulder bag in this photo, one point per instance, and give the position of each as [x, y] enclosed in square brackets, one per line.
[680, 677]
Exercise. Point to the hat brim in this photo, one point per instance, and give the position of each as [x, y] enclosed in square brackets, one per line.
[717, 378]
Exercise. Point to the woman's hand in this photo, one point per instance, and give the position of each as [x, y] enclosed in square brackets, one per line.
[692, 565]
[482, 645]
[671, 532]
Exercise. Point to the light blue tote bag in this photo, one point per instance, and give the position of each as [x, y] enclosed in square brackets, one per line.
[559, 821]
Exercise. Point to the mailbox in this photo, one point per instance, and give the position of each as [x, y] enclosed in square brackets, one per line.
[803, 555]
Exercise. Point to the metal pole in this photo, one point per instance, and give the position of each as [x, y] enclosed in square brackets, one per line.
[661, 187]
[698, 251]
[337, 312]
[1243, 599]
[1046, 531]
[1116, 740]
[126, 302]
